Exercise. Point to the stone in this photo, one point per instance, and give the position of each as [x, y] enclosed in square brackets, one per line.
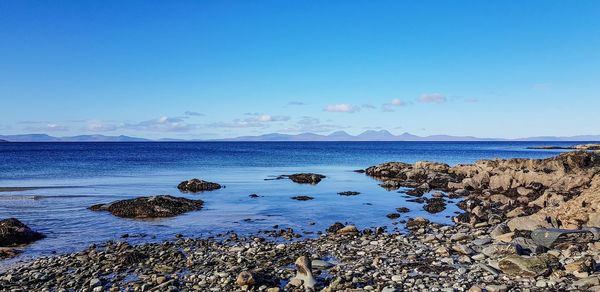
[150, 207]
[303, 178]
[582, 265]
[245, 278]
[350, 229]
[496, 288]
[418, 222]
[552, 238]
[527, 266]
[14, 232]
[197, 185]
[304, 273]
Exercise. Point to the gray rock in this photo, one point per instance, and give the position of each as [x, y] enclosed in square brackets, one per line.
[552, 237]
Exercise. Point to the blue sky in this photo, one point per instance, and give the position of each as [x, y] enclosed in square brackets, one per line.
[210, 69]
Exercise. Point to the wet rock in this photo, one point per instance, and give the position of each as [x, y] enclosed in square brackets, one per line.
[557, 238]
[350, 229]
[335, 227]
[196, 185]
[418, 222]
[253, 196]
[393, 215]
[435, 205]
[526, 246]
[150, 207]
[304, 274]
[303, 178]
[527, 266]
[349, 193]
[402, 210]
[13, 232]
[302, 198]
[6, 252]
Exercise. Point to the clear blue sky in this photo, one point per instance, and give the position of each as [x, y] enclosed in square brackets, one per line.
[208, 69]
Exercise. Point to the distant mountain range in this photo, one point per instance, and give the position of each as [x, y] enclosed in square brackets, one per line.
[370, 135]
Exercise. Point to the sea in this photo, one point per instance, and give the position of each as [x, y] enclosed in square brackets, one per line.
[67, 178]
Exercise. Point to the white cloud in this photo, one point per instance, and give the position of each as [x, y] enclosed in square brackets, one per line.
[162, 124]
[48, 127]
[432, 98]
[255, 121]
[100, 126]
[390, 106]
[341, 108]
[312, 125]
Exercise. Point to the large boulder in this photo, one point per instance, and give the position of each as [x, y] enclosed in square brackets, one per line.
[197, 185]
[559, 238]
[527, 266]
[13, 232]
[150, 207]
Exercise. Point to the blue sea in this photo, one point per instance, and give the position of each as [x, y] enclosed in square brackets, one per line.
[84, 174]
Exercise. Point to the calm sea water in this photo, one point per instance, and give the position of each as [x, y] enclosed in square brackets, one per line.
[90, 173]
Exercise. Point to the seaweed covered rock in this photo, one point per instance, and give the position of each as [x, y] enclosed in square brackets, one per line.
[13, 232]
[197, 185]
[150, 207]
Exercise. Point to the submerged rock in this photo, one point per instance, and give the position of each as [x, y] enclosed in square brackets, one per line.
[150, 207]
[13, 232]
[197, 185]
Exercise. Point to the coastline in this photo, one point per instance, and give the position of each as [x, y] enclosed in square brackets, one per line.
[506, 238]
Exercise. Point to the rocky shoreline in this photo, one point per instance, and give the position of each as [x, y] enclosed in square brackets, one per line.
[527, 225]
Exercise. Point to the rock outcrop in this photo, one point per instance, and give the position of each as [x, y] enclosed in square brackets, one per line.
[197, 185]
[13, 233]
[150, 207]
[558, 192]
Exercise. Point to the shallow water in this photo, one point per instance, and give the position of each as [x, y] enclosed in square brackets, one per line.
[83, 174]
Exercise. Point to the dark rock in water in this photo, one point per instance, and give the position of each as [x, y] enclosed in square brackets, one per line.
[303, 178]
[13, 232]
[393, 215]
[402, 210]
[150, 207]
[335, 227]
[196, 185]
[302, 198]
[349, 193]
[435, 205]
[253, 196]
[552, 238]
[360, 171]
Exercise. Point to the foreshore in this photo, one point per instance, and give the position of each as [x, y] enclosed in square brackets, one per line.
[527, 224]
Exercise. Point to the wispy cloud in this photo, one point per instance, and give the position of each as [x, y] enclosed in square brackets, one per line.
[255, 121]
[312, 125]
[341, 108]
[432, 98]
[193, 114]
[296, 103]
[162, 124]
[368, 106]
[390, 106]
[471, 100]
[101, 126]
[49, 127]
